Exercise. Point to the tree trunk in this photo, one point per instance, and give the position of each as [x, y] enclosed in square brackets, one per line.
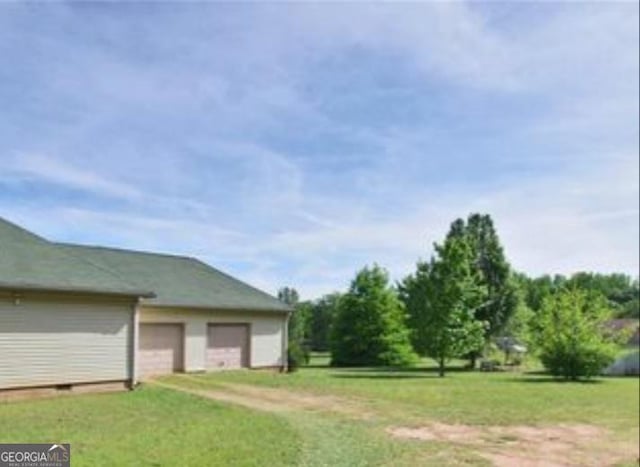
[441, 367]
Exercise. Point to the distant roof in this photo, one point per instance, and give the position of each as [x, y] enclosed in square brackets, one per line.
[28, 261]
[178, 280]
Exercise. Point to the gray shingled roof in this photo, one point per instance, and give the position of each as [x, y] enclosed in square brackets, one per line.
[29, 261]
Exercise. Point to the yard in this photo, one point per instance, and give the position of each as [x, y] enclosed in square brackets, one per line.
[322, 416]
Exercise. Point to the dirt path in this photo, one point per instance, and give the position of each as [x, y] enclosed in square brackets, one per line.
[225, 396]
[275, 400]
[529, 446]
[504, 446]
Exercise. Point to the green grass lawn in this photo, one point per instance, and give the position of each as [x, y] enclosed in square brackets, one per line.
[151, 426]
[156, 426]
[464, 396]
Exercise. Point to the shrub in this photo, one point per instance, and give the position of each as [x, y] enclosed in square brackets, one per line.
[572, 338]
[297, 355]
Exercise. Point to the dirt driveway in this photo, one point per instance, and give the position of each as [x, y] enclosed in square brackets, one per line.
[504, 446]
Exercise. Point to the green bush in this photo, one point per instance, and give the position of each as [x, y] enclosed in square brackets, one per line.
[297, 355]
[573, 362]
[572, 337]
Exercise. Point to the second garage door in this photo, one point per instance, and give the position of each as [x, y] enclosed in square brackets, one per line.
[160, 349]
[227, 346]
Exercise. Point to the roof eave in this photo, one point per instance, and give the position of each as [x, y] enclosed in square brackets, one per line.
[285, 309]
[27, 287]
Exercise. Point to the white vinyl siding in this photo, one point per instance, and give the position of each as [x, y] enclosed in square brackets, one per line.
[266, 348]
[56, 342]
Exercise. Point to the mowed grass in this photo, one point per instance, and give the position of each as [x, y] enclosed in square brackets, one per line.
[151, 426]
[158, 426]
[476, 398]
[154, 426]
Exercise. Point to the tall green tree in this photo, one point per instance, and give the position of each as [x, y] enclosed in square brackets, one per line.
[442, 299]
[369, 328]
[494, 273]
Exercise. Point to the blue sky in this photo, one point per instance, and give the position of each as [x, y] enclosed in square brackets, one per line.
[291, 144]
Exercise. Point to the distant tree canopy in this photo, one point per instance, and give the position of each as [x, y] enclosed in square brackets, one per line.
[299, 315]
[322, 314]
[369, 327]
[622, 292]
[288, 295]
[465, 297]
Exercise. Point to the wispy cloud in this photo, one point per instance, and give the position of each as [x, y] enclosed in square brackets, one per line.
[292, 146]
[32, 168]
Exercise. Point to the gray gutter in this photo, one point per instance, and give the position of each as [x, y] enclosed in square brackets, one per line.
[285, 309]
[25, 286]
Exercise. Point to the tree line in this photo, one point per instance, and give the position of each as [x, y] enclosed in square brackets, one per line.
[462, 300]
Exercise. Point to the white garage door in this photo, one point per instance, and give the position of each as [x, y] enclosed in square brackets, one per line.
[49, 343]
[227, 346]
[160, 349]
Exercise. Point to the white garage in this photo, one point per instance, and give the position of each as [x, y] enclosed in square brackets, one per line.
[218, 322]
[74, 315]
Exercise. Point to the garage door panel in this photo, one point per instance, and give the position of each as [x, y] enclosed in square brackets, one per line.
[160, 349]
[227, 346]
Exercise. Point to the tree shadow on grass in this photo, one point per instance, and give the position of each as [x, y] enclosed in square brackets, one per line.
[383, 369]
[390, 373]
[544, 377]
[381, 376]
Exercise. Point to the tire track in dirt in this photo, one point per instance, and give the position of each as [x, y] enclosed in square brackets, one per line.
[274, 400]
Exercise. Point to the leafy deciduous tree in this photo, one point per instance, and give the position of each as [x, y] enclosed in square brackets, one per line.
[442, 298]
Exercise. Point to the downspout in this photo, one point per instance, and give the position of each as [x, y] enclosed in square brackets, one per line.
[285, 343]
[134, 344]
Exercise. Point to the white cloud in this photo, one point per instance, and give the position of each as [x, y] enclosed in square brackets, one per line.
[175, 135]
[40, 168]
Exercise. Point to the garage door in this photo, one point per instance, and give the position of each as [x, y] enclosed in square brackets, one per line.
[228, 346]
[160, 349]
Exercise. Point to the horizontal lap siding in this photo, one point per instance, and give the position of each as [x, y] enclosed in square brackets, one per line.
[266, 342]
[45, 343]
